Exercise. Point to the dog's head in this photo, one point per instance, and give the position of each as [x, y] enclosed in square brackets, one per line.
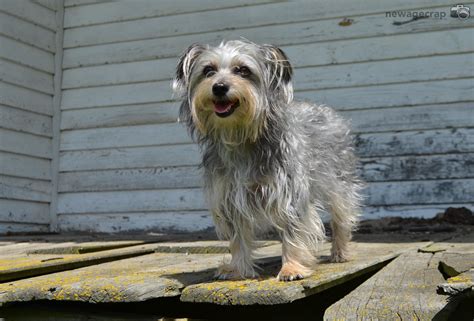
[229, 91]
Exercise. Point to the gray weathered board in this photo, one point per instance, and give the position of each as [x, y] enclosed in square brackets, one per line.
[407, 287]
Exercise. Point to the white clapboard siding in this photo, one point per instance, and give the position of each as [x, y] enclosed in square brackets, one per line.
[24, 166]
[137, 222]
[416, 192]
[416, 93]
[454, 115]
[382, 72]
[25, 121]
[131, 179]
[28, 47]
[137, 157]
[376, 144]
[126, 201]
[400, 46]
[26, 77]
[30, 11]
[416, 143]
[27, 32]
[160, 134]
[26, 55]
[25, 189]
[125, 10]
[9, 228]
[340, 98]
[126, 165]
[417, 167]
[26, 144]
[25, 99]
[394, 46]
[138, 114]
[281, 34]
[116, 95]
[422, 211]
[204, 21]
[24, 211]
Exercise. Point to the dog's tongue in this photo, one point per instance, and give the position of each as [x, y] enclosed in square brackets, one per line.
[222, 107]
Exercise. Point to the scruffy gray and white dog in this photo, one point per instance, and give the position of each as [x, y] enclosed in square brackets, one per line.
[269, 161]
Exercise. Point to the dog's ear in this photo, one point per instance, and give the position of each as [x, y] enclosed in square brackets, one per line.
[280, 71]
[185, 65]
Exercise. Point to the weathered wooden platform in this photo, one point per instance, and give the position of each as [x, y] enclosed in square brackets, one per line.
[415, 277]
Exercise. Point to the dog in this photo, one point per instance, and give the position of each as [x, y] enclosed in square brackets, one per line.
[270, 162]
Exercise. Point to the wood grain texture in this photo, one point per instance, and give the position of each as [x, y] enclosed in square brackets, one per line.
[25, 166]
[404, 289]
[31, 12]
[25, 189]
[268, 290]
[25, 121]
[29, 33]
[25, 99]
[182, 221]
[26, 77]
[258, 21]
[26, 55]
[126, 201]
[21, 211]
[26, 144]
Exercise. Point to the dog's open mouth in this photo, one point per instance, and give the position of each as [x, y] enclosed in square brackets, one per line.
[225, 108]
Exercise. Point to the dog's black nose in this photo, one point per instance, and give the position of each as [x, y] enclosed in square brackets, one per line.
[220, 89]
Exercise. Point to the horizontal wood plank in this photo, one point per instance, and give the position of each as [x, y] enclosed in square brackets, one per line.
[419, 192]
[138, 157]
[421, 211]
[116, 95]
[25, 99]
[249, 22]
[25, 189]
[16, 211]
[383, 72]
[416, 143]
[124, 136]
[26, 77]
[26, 55]
[126, 115]
[308, 54]
[126, 201]
[12, 228]
[191, 221]
[417, 167]
[25, 166]
[30, 11]
[130, 179]
[26, 144]
[111, 11]
[454, 115]
[51, 4]
[24, 121]
[415, 93]
[29, 33]
[281, 35]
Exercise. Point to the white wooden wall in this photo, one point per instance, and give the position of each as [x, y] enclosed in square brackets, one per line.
[28, 43]
[125, 164]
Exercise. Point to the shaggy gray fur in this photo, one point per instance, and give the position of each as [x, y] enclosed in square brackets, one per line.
[279, 169]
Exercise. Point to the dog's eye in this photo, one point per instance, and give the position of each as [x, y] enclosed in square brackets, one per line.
[243, 71]
[209, 71]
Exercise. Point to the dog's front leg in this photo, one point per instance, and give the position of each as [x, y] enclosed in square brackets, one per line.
[241, 266]
[296, 260]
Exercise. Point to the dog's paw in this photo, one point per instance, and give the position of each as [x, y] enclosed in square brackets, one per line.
[227, 272]
[291, 272]
[339, 256]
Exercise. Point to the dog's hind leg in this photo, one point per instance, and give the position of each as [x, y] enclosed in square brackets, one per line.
[344, 211]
